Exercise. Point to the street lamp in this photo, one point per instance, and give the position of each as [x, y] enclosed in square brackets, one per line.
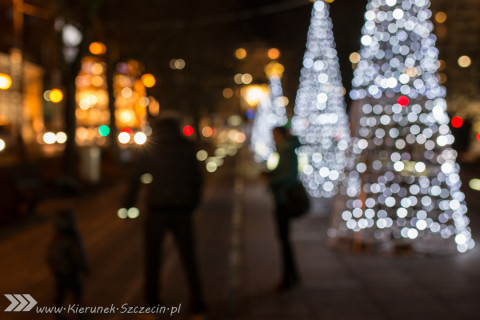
[254, 93]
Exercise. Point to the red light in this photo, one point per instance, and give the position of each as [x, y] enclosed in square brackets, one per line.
[403, 101]
[188, 131]
[127, 130]
[478, 137]
[457, 122]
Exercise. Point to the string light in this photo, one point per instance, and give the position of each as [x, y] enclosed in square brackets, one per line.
[402, 185]
[271, 113]
[320, 120]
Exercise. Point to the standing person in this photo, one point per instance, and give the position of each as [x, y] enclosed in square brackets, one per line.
[171, 198]
[66, 258]
[281, 179]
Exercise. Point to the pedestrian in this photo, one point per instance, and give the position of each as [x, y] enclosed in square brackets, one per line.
[66, 258]
[171, 198]
[280, 180]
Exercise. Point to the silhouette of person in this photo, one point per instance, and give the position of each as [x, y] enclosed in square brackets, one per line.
[281, 179]
[171, 199]
[66, 258]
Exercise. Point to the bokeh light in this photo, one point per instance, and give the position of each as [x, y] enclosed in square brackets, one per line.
[464, 61]
[49, 138]
[188, 131]
[227, 93]
[104, 130]
[148, 80]
[273, 53]
[5, 81]
[55, 95]
[97, 48]
[457, 122]
[440, 17]
[240, 53]
[140, 138]
[61, 137]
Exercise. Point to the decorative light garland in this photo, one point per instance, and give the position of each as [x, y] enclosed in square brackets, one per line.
[271, 113]
[320, 119]
[402, 185]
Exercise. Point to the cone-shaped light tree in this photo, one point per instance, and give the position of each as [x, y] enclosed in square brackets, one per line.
[320, 119]
[402, 187]
[271, 113]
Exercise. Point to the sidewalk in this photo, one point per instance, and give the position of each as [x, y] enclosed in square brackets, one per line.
[240, 263]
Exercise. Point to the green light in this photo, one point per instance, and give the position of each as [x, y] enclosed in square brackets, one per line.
[104, 130]
[475, 184]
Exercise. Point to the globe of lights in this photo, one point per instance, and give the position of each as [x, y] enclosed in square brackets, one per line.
[319, 118]
[401, 185]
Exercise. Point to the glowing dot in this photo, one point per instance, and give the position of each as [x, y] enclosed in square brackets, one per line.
[124, 137]
[97, 48]
[240, 53]
[272, 161]
[354, 57]
[247, 78]
[412, 233]
[202, 155]
[122, 213]
[61, 137]
[478, 137]
[474, 184]
[207, 132]
[46, 95]
[250, 113]
[2, 144]
[55, 95]
[49, 138]
[179, 64]
[5, 81]
[126, 92]
[140, 138]
[403, 101]
[366, 40]
[457, 122]
[148, 80]
[188, 131]
[211, 166]
[104, 130]
[420, 167]
[273, 53]
[227, 93]
[440, 17]
[146, 178]
[464, 61]
[133, 213]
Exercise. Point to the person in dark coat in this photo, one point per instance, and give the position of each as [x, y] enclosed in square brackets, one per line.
[281, 179]
[171, 199]
[66, 258]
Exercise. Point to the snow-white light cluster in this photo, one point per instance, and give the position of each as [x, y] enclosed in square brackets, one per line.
[320, 119]
[402, 182]
[271, 113]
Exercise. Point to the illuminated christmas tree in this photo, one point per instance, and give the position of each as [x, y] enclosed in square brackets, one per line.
[320, 119]
[402, 188]
[271, 113]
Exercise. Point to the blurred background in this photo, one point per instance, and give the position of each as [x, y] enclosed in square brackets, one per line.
[79, 82]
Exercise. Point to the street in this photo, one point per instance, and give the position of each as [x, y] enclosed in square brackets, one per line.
[239, 262]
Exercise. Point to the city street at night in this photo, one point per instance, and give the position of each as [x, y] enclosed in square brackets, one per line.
[239, 262]
[240, 160]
